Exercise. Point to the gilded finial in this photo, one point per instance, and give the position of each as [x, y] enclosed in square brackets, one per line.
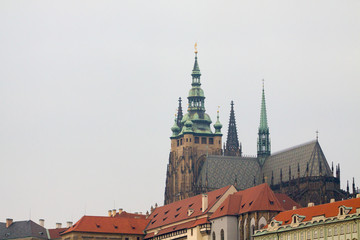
[263, 82]
[218, 109]
[196, 51]
[317, 135]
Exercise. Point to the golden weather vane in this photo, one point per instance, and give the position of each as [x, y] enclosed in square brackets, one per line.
[196, 47]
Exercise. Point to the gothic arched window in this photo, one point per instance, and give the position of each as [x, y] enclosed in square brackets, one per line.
[222, 234]
[213, 238]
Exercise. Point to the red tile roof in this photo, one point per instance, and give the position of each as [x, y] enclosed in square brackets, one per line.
[286, 202]
[253, 199]
[178, 211]
[327, 210]
[55, 233]
[119, 225]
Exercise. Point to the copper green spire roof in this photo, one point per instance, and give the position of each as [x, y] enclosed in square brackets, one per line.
[263, 117]
[196, 70]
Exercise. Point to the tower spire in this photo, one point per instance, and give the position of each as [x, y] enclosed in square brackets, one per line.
[263, 134]
[232, 142]
[179, 115]
[196, 94]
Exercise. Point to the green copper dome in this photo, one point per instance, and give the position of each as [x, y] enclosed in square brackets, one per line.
[196, 92]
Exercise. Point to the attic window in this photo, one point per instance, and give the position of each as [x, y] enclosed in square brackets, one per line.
[218, 196]
[176, 215]
[153, 222]
[164, 219]
[271, 202]
[155, 215]
[221, 208]
[243, 205]
[133, 227]
[250, 203]
[191, 205]
[166, 212]
[41, 233]
[116, 227]
[178, 209]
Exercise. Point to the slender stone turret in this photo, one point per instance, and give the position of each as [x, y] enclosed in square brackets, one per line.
[263, 148]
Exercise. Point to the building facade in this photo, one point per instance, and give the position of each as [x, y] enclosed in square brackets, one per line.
[333, 221]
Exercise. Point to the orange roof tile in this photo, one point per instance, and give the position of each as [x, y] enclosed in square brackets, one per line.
[286, 202]
[257, 198]
[96, 224]
[55, 232]
[327, 210]
[178, 211]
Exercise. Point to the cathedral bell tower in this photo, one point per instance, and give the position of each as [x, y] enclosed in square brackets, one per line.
[192, 141]
[263, 144]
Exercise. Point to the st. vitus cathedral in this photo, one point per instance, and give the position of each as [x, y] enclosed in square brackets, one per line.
[199, 163]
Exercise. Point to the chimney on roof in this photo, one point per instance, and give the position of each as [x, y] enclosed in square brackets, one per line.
[42, 222]
[110, 213]
[294, 207]
[332, 200]
[9, 221]
[147, 214]
[205, 202]
[311, 204]
[58, 225]
[113, 212]
[69, 224]
[120, 210]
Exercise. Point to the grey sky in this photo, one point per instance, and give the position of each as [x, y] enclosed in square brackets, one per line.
[89, 89]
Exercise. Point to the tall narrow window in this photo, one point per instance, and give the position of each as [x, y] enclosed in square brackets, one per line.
[196, 139]
[222, 234]
[213, 238]
[203, 140]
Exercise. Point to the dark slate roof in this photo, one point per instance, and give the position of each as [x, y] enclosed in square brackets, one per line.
[309, 153]
[22, 229]
[222, 171]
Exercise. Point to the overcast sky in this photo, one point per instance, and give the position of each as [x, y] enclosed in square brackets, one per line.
[89, 89]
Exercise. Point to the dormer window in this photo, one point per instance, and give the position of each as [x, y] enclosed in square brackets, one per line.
[343, 210]
[190, 211]
[294, 219]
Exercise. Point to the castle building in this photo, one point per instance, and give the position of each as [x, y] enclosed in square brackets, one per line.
[198, 163]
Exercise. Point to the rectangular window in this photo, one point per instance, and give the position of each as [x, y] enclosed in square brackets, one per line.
[289, 237]
[187, 140]
[282, 237]
[330, 232]
[348, 228]
[308, 235]
[315, 234]
[335, 231]
[354, 228]
[342, 229]
[178, 142]
[321, 233]
[196, 139]
[211, 141]
[295, 236]
[203, 140]
[302, 237]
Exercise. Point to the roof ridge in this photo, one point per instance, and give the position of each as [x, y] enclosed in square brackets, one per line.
[294, 147]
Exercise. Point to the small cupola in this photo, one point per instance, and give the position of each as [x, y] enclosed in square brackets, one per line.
[218, 125]
[175, 128]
